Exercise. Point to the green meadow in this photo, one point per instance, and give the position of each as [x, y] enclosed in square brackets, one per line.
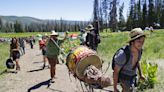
[153, 47]
[27, 34]
[4, 54]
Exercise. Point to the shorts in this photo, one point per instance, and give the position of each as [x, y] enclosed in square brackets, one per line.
[55, 59]
[43, 52]
[16, 55]
[128, 85]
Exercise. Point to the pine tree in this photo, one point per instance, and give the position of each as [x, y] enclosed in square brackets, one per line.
[113, 16]
[121, 23]
[96, 15]
[151, 13]
[18, 27]
[130, 21]
[144, 14]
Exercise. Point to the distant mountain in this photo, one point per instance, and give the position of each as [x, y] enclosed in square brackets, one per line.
[24, 20]
[29, 20]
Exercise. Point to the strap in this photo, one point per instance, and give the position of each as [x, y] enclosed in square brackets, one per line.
[58, 46]
[137, 60]
[127, 53]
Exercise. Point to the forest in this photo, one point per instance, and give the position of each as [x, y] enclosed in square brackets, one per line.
[107, 14]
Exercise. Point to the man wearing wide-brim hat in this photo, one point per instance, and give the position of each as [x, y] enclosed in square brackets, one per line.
[89, 27]
[126, 66]
[136, 33]
[91, 38]
[53, 48]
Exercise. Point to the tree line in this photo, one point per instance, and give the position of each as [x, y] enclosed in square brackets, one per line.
[141, 13]
[57, 25]
[107, 14]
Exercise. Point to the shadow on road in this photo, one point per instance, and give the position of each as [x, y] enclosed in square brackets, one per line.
[35, 70]
[46, 83]
[38, 62]
[8, 71]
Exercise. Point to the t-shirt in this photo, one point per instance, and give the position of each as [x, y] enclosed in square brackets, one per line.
[42, 44]
[52, 49]
[120, 60]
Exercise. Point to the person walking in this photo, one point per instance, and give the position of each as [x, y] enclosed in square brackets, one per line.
[127, 62]
[92, 40]
[42, 46]
[31, 42]
[82, 36]
[53, 51]
[22, 46]
[14, 52]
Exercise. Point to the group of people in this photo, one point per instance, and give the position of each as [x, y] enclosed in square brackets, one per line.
[125, 69]
[17, 48]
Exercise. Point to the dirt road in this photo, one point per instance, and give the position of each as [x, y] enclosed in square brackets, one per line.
[32, 78]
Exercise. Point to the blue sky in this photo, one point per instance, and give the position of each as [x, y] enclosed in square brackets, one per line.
[48, 9]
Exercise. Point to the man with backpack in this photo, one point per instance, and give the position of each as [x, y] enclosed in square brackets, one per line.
[92, 38]
[126, 62]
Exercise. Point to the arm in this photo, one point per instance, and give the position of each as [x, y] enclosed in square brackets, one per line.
[17, 49]
[66, 35]
[140, 73]
[115, 77]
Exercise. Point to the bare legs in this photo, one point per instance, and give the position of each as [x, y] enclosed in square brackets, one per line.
[52, 62]
[17, 64]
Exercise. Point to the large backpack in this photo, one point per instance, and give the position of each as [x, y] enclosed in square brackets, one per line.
[98, 40]
[127, 53]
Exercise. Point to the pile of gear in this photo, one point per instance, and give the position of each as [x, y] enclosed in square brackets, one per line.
[85, 64]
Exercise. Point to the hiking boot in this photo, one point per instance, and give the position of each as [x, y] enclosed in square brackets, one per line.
[52, 80]
[43, 66]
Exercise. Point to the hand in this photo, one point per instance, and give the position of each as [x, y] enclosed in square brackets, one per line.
[142, 77]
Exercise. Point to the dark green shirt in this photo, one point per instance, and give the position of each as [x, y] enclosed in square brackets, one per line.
[52, 49]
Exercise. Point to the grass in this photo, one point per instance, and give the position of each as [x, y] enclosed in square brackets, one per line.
[153, 47]
[27, 34]
[153, 50]
[4, 49]
[110, 42]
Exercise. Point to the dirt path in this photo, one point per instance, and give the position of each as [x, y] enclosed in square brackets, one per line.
[32, 78]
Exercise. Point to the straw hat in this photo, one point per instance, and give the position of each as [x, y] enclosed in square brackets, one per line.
[136, 33]
[54, 33]
[89, 27]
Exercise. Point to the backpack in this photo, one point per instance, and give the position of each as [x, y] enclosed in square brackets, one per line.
[127, 53]
[98, 38]
[10, 64]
